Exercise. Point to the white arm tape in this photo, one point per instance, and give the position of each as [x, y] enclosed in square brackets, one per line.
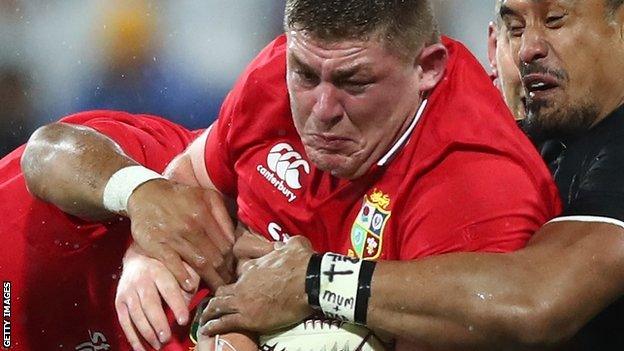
[123, 183]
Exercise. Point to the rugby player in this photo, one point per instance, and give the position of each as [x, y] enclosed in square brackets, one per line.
[370, 147]
[568, 282]
[503, 71]
[63, 270]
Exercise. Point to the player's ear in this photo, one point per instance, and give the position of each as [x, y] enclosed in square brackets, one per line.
[492, 43]
[432, 61]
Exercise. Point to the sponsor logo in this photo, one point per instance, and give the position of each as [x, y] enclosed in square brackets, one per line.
[368, 227]
[283, 169]
[276, 232]
[6, 314]
[97, 342]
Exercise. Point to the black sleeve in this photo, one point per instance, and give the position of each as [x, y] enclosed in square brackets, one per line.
[601, 188]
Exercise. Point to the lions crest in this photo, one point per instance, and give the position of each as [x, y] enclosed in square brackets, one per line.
[368, 227]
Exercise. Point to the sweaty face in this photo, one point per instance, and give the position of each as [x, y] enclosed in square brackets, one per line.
[350, 100]
[568, 53]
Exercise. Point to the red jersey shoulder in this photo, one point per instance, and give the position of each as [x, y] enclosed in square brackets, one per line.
[259, 100]
[255, 113]
[466, 112]
[150, 140]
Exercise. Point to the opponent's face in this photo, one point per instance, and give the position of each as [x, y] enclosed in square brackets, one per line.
[569, 55]
[350, 100]
[506, 72]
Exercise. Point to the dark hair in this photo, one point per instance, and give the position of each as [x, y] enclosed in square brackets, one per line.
[613, 5]
[404, 24]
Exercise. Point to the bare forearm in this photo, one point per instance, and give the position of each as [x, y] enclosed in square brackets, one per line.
[535, 297]
[69, 166]
[444, 302]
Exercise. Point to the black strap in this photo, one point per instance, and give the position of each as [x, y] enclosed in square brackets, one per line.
[313, 281]
[364, 291]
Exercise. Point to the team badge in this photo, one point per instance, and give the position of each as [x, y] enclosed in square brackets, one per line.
[367, 230]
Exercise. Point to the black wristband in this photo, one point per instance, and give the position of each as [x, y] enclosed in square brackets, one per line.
[313, 281]
[364, 291]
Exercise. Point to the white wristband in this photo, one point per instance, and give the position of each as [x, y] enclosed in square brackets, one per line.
[339, 286]
[123, 183]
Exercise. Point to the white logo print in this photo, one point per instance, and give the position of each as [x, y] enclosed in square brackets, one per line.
[276, 232]
[97, 342]
[284, 165]
[287, 165]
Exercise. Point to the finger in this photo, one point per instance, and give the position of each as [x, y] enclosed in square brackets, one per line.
[221, 215]
[252, 246]
[172, 261]
[141, 323]
[209, 262]
[174, 297]
[126, 325]
[299, 240]
[206, 269]
[206, 343]
[210, 276]
[242, 266]
[217, 307]
[192, 273]
[226, 290]
[241, 228]
[153, 309]
[224, 324]
[215, 234]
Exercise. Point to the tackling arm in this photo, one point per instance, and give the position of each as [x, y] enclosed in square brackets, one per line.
[69, 166]
[537, 296]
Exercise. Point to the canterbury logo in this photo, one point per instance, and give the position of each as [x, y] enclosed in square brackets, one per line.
[286, 164]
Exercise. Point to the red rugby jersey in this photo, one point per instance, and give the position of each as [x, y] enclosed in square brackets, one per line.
[467, 179]
[64, 271]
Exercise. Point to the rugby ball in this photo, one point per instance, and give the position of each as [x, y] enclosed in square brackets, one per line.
[322, 335]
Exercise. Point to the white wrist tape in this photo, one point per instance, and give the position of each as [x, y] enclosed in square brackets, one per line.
[339, 286]
[123, 183]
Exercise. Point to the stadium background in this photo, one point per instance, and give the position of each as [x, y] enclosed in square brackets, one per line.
[175, 58]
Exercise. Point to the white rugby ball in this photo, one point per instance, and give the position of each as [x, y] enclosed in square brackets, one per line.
[322, 335]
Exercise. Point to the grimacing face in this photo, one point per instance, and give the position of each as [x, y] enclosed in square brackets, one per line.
[569, 54]
[350, 100]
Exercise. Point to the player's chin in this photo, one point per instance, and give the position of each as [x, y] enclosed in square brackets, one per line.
[339, 165]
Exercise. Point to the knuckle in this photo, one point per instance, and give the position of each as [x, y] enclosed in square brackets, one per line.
[130, 303]
[168, 255]
[201, 262]
[118, 305]
[185, 227]
[218, 261]
[298, 240]
[219, 292]
[228, 249]
[141, 291]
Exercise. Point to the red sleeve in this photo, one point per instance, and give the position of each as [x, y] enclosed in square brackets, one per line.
[218, 157]
[152, 141]
[232, 132]
[473, 202]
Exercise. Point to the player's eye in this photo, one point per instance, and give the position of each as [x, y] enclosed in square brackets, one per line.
[516, 31]
[515, 28]
[555, 20]
[307, 78]
[355, 86]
